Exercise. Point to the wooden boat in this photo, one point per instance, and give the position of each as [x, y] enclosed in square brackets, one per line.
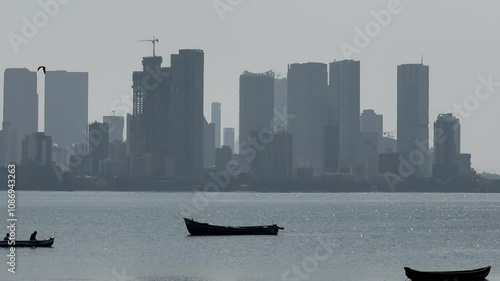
[197, 228]
[27, 243]
[465, 275]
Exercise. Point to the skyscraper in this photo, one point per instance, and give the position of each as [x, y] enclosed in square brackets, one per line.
[116, 124]
[307, 102]
[8, 145]
[187, 110]
[446, 146]
[282, 156]
[256, 105]
[216, 118]
[66, 106]
[281, 100]
[229, 138]
[209, 145]
[20, 106]
[344, 100]
[372, 122]
[331, 149]
[413, 113]
[154, 120]
[98, 142]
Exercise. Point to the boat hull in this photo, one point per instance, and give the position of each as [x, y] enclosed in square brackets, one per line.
[38, 243]
[466, 275]
[200, 229]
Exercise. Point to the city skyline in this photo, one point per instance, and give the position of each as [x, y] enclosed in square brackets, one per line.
[406, 44]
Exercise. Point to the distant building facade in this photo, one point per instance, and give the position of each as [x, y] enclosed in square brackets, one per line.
[37, 149]
[209, 135]
[256, 111]
[8, 145]
[308, 103]
[345, 101]
[222, 156]
[282, 156]
[116, 125]
[371, 122]
[187, 109]
[216, 119]
[20, 108]
[229, 138]
[413, 114]
[98, 143]
[280, 101]
[66, 106]
[332, 149]
[446, 146]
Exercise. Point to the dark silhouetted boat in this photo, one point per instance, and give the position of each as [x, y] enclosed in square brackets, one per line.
[197, 228]
[465, 275]
[34, 243]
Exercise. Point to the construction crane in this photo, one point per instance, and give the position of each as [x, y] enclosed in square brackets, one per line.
[154, 41]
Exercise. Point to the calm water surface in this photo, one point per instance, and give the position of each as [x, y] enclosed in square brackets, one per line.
[141, 236]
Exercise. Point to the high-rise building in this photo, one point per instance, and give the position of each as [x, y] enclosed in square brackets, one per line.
[282, 156]
[187, 110]
[229, 138]
[149, 126]
[116, 126]
[372, 122]
[331, 149]
[20, 106]
[222, 156]
[413, 114]
[98, 143]
[280, 101]
[368, 151]
[37, 149]
[256, 109]
[66, 106]
[216, 118]
[209, 145]
[344, 100]
[261, 166]
[8, 145]
[446, 146]
[308, 103]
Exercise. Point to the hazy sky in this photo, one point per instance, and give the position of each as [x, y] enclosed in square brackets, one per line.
[459, 40]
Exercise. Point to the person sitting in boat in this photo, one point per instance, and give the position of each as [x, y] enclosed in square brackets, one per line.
[33, 236]
[7, 236]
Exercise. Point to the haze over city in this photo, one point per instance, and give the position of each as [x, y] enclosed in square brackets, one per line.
[250, 140]
[456, 40]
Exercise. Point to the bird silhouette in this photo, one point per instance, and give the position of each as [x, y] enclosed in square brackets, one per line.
[42, 67]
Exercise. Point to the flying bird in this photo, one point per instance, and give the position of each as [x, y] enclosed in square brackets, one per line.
[42, 67]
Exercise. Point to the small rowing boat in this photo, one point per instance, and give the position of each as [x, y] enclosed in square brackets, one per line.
[464, 275]
[197, 228]
[29, 243]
